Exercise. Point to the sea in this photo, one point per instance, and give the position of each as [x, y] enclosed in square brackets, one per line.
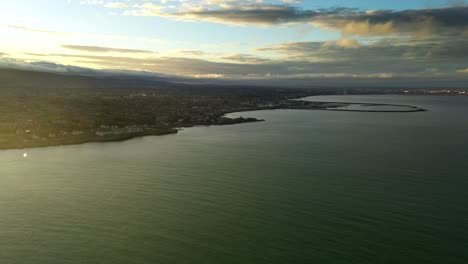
[304, 186]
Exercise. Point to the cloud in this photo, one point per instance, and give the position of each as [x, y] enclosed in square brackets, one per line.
[247, 14]
[423, 22]
[198, 68]
[117, 5]
[43, 66]
[37, 30]
[375, 44]
[348, 21]
[300, 59]
[245, 58]
[243, 15]
[275, 73]
[342, 57]
[346, 57]
[349, 50]
[104, 49]
[192, 52]
[344, 43]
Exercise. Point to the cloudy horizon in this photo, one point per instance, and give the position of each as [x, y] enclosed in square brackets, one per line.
[289, 41]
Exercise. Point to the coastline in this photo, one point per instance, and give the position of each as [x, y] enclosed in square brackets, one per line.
[291, 104]
[409, 110]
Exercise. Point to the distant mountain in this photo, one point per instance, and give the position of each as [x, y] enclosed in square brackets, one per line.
[39, 83]
[52, 74]
[14, 80]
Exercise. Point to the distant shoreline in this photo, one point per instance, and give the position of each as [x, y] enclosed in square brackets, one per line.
[410, 108]
[298, 104]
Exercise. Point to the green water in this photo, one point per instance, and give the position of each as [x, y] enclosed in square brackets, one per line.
[302, 187]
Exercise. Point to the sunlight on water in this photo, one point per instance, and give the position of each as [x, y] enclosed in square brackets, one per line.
[301, 187]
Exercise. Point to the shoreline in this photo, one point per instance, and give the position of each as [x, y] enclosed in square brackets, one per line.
[222, 120]
[410, 109]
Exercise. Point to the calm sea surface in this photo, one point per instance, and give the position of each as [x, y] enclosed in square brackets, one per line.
[302, 187]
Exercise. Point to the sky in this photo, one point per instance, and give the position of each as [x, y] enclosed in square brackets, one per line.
[263, 40]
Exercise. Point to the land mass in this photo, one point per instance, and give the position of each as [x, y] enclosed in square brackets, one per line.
[40, 109]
